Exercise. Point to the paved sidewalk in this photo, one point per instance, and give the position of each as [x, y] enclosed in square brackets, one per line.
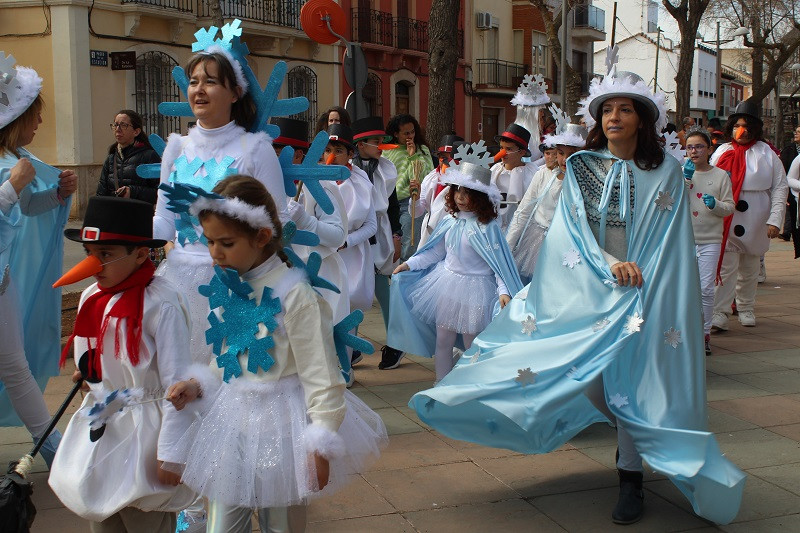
[426, 482]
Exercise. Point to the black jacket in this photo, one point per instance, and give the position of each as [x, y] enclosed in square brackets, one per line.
[132, 156]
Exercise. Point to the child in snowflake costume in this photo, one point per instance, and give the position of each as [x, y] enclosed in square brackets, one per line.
[220, 144]
[511, 174]
[609, 328]
[528, 228]
[277, 424]
[131, 332]
[449, 287]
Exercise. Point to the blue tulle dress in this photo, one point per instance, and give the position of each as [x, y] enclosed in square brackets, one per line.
[521, 385]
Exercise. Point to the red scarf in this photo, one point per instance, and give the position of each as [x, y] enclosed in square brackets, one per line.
[91, 324]
[734, 162]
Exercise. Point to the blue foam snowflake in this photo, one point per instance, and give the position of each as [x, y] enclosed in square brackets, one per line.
[311, 172]
[342, 338]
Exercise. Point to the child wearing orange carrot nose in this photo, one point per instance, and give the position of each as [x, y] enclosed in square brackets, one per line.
[511, 174]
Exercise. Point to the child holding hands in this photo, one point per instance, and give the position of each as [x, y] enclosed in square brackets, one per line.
[277, 424]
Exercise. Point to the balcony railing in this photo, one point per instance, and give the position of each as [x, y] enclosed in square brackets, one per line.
[186, 6]
[498, 73]
[412, 34]
[380, 27]
[587, 16]
[276, 12]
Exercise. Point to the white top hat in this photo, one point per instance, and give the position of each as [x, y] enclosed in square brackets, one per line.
[471, 170]
[19, 87]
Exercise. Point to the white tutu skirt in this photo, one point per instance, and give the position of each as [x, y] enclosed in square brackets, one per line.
[458, 302]
[250, 450]
[187, 271]
[527, 250]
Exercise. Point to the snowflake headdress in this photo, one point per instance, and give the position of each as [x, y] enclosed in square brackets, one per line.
[566, 133]
[19, 87]
[255, 216]
[227, 45]
[470, 169]
[622, 84]
[531, 92]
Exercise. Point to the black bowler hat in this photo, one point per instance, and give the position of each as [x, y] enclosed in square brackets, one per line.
[113, 220]
[293, 132]
[745, 108]
[450, 143]
[517, 135]
[364, 128]
[339, 133]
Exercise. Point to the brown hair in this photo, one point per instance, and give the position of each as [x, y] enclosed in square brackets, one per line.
[649, 144]
[10, 135]
[754, 126]
[479, 201]
[243, 110]
[253, 192]
[138, 124]
[322, 121]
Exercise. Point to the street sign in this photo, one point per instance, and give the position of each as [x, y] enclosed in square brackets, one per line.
[98, 58]
[123, 60]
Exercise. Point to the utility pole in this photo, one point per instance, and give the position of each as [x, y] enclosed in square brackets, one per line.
[614, 26]
[658, 48]
[564, 24]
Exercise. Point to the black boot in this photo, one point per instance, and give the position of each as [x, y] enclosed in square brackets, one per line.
[631, 498]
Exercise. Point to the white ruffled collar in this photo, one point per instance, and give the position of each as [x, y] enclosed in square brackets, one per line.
[214, 137]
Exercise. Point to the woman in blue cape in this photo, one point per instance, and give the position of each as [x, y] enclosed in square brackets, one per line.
[609, 328]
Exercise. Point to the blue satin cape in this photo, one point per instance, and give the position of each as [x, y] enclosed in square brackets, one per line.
[409, 334]
[34, 247]
[523, 389]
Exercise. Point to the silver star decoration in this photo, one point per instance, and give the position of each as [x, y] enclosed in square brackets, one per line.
[572, 372]
[522, 294]
[664, 201]
[574, 212]
[5, 279]
[633, 323]
[525, 376]
[571, 258]
[618, 400]
[672, 337]
[529, 325]
[475, 356]
[600, 324]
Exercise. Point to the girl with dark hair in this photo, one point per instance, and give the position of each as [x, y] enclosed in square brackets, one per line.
[759, 194]
[333, 115]
[609, 329]
[457, 276]
[408, 134]
[131, 149]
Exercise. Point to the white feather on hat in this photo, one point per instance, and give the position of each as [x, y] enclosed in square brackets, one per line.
[471, 170]
[19, 87]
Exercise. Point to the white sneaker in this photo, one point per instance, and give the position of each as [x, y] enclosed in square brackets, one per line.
[762, 272]
[747, 318]
[351, 378]
[720, 321]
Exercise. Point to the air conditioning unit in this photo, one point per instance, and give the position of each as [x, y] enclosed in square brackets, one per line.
[483, 20]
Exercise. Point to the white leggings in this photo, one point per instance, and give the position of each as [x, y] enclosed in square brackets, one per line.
[226, 519]
[445, 342]
[629, 458]
[23, 391]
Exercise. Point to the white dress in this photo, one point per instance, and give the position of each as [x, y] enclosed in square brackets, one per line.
[361, 225]
[431, 203]
[96, 479]
[383, 182]
[189, 265]
[332, 232]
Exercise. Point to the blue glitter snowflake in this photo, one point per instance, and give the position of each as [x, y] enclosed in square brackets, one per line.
[241, 317]
[180, 197]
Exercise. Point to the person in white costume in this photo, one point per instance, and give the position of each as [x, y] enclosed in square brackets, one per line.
[277, 426]
[531, 99]
[131, 332]
[759, 193]
[511, 174]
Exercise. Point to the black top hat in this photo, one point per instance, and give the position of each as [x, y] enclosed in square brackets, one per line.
[517, 135]
[112, 220]
[369, 127]
[293, 132]
[746, 108]
[339, 133]
[450, 143]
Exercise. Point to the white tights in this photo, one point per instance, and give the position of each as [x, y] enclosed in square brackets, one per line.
[445, 342]
[629, 458]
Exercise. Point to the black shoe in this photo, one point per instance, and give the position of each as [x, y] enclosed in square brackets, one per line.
[390, 358]
[785, 236]
[630, 505]
[355, 358]
[708, 344]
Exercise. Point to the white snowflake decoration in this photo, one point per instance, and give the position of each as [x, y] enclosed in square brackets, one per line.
[525, 377]
[529, 325]
[532, 91]
[571, 258]
[672, 145]
[561, 118]
[612, 55]
[665, 201]
[633, 323]
[618, 400]
[474, 153]
[8, 89]
[600, 324]
[672, 337]
[574, 211]
[522, 294]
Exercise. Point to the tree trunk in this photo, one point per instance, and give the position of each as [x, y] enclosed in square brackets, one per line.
[442, 63]
[552, 23]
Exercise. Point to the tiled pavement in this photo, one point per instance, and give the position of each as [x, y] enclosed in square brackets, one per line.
[426, 482]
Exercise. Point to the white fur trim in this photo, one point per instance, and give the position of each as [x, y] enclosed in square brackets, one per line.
[255, 216]
[324, 442]
[212, 140]
[455, 177]
[210, 384]
[22, 91]
[567, 138]
[613, 84]
[237, 67]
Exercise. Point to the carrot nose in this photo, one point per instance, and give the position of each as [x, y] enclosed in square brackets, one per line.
[740, 132]
[388, 146]
[443, 168]
[88, 267]
[330, 158]
[500, 155]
